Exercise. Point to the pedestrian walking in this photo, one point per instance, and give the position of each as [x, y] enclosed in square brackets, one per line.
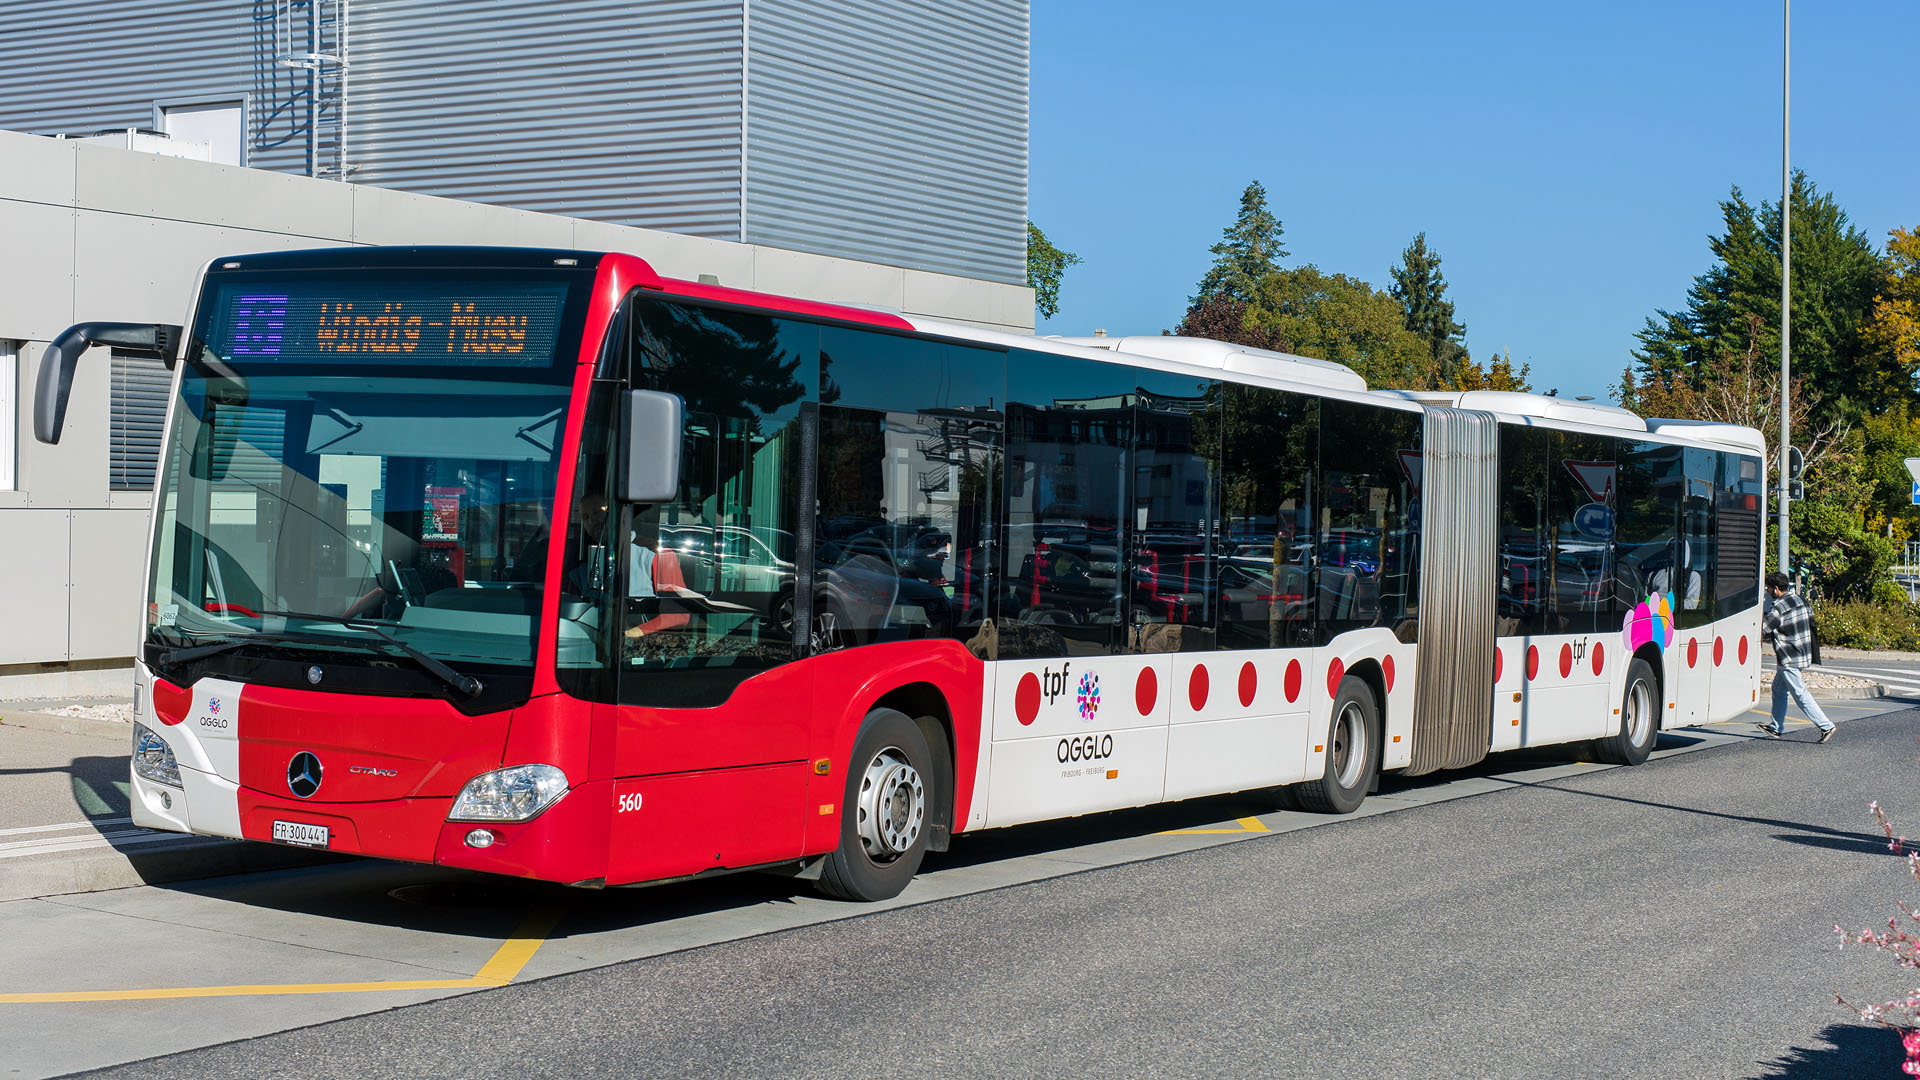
[1789, 625]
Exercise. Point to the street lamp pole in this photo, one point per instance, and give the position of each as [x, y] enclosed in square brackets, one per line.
[1786, 267]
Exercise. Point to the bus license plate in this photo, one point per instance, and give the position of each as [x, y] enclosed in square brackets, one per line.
[299, 833]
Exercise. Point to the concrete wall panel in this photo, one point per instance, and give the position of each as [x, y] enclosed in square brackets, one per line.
[36, 277]
[73, 472]
[108, 560]
[797, 273]
[927, 293]
[141, 269]
[33, 591]
[40, 170]
[399, 217]
[151, 185]
[671, 254]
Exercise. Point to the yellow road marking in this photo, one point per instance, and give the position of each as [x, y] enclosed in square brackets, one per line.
[499, 970]
[1247, 825]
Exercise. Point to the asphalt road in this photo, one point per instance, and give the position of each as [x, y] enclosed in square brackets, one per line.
[1673, 920]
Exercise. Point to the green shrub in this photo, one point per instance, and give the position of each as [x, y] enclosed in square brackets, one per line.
[1857, 624]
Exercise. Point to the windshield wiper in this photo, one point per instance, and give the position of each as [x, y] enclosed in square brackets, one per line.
[466, 684]
[182, 654]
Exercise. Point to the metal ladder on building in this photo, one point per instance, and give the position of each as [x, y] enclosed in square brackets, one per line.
[311, 36]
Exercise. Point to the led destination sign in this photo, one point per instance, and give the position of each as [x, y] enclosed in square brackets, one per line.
[489, 325]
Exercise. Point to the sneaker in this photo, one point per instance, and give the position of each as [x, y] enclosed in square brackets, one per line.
[1825, 735]
[1767, 731]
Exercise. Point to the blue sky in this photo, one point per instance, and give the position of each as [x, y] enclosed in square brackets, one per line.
[1566, 161]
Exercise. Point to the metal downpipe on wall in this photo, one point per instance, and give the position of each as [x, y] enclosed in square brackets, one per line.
[1459, 523]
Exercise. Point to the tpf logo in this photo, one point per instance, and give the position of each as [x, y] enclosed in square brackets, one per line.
[1053, 683]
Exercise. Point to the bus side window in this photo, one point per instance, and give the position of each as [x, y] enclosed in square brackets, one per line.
[1646, 540]
[1693, 578]
[1172, 554]
[1265, 555]
[1367, 561]
[708, 580]
[1582, 532]
[906, 501]
[1740, 532]
[1069, 423]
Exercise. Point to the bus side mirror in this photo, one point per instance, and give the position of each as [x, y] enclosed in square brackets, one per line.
[652, 423]
[62, 355]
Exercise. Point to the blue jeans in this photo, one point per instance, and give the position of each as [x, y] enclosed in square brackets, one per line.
[1786, 681]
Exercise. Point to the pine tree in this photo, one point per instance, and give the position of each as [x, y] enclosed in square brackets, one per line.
[1248, 250]
[1735, 306]
[1421, 290]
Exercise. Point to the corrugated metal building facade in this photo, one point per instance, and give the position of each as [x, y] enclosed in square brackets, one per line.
[890, 131]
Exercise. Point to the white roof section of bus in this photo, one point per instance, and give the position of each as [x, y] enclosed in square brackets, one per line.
[1588, 416]
[1733, 436]
[1226, 356]
[1209, 360]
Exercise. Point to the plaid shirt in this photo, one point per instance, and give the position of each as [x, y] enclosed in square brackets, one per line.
[1789, 623]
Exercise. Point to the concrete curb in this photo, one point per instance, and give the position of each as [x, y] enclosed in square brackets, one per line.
[1833, 693]
[187, 859]
[71, 725]
[1841, 652]
[1851, 693]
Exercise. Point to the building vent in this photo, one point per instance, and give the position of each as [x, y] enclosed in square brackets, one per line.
[141, 386]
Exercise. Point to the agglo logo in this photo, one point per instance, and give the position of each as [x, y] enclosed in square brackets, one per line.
[1088, 696]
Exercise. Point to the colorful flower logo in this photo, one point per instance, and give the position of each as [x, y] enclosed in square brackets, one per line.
[1088, 696]
[213, 706]
[1651, 620]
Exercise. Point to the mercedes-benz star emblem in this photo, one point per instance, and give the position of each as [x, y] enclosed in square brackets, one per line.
[313, 675]
[303, 775]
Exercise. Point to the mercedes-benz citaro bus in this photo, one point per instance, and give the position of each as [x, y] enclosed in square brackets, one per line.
[534, 562]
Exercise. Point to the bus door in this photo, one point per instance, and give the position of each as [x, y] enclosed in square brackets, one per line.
[1691, 584]
[711, 743]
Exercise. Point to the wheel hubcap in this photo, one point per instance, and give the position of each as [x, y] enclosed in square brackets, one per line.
[1639, 713]
[1349, 745]
[893, 805]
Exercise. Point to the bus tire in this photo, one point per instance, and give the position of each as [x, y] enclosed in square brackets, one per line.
[885, 818]
[1353, 753]
[1639, 719]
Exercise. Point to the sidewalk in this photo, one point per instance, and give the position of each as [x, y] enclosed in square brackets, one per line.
[64, 806]
[65, 813]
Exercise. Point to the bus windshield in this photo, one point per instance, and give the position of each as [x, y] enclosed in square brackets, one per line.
[354, 462]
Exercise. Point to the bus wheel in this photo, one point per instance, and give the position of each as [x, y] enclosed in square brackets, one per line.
[1639, 719]
[883, 822]
[1353, 753]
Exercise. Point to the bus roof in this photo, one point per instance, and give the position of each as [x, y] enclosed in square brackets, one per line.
[1306, 374]
[1239, 363]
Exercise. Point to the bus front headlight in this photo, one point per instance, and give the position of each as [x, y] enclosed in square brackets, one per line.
[153, 758]
[516, 794]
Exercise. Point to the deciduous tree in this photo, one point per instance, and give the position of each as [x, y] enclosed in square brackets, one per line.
[1497, 375]
[1343, 319]
[1046, 264]
[1892, 331]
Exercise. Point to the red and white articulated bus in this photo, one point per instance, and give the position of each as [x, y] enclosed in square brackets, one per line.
[537, 563]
